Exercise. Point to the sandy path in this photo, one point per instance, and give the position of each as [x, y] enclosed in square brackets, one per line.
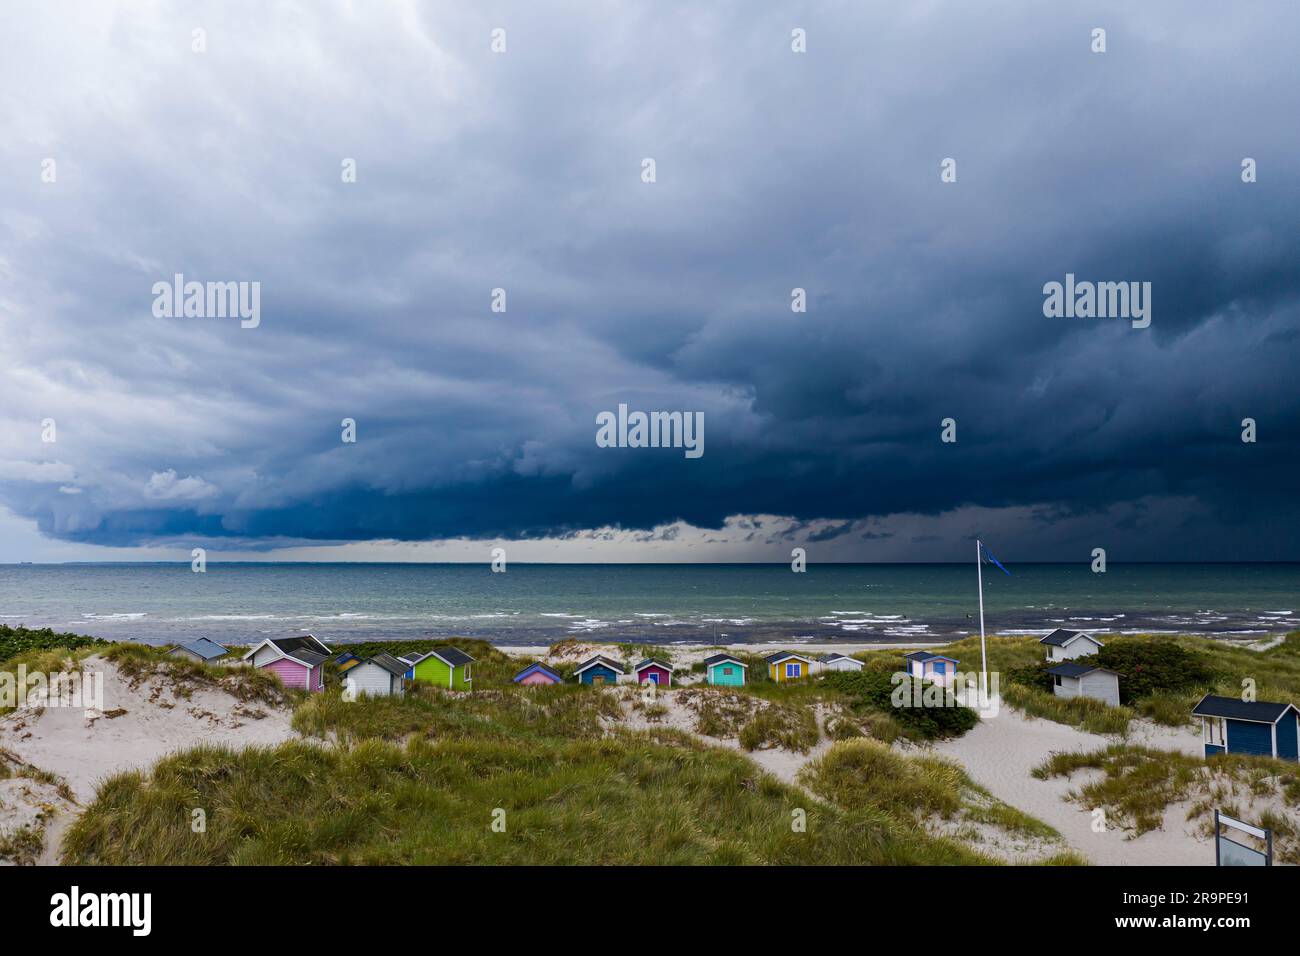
[1001, 751]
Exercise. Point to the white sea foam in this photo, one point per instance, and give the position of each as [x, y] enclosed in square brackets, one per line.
[589, 624]
[234, 617]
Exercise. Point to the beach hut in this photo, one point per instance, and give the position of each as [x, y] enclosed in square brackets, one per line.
[837, 662]
[723, 670]
[1072, 679]
[930, 666]
[298, 661]
[1232, 726]
[655, 671]
[382, 675]
[201, 650]
[409, 659]
[599, 670]
[1063, 645]
[446, 666]
[535, 674]
[346, 661]
[785, 666]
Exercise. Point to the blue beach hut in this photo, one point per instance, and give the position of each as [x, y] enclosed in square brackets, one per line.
[1259, 728]
[599, 670]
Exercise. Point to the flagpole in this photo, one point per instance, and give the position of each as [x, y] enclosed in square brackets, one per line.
[984, 660]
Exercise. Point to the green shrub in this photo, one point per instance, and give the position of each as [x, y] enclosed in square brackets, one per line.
[1033, 675]
[873, 689]
[1150, 665]
[16, 640]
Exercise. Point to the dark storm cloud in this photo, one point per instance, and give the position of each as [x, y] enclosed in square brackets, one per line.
[775, 171]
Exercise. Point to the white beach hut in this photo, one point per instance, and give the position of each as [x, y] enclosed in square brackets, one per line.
[1063, 645]
[1070, 679]
[201, 650]
[836, 662]
[380, 676]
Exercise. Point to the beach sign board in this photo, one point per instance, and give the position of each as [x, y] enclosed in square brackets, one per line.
[1241, 844]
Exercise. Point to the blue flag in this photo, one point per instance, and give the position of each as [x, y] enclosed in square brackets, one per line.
[985, 552]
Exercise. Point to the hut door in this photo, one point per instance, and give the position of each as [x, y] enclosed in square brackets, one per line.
[598, 679]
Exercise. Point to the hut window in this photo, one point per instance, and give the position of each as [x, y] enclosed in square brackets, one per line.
[791, 670]
[728, 671]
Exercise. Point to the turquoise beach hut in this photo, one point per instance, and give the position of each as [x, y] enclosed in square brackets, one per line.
[723, 670]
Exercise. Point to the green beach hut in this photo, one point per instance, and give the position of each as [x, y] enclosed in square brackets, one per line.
[725, 671]
[447, 667]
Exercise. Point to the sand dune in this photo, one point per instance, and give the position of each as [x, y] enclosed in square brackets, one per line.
[141, 721]
[1001, 751]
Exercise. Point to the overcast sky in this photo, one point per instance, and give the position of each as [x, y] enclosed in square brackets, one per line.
[774, 170]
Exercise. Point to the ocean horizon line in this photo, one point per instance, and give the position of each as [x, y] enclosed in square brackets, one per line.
[633, 564]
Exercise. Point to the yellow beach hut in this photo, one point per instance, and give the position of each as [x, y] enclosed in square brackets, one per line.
[785, 666]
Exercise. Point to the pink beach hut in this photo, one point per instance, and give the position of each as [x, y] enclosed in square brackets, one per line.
[655, 671]
[299, 662]
[536, 674]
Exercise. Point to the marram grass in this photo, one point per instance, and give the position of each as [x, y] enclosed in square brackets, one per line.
[1086, 713]
[909, 789]
[1138, 784]
[499, 776]
[627, 799]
